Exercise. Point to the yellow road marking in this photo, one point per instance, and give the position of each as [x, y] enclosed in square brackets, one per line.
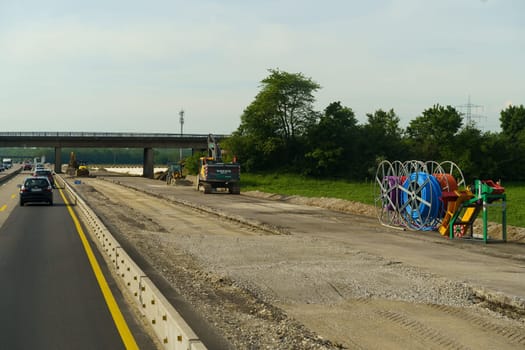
[118, 318]
[4, 207]
[13, 196]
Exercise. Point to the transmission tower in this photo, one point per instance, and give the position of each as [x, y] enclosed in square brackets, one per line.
[469, 111]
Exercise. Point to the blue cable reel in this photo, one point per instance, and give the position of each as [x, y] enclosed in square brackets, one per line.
[420, 201]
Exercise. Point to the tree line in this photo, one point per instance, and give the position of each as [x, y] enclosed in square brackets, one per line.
[281, 131]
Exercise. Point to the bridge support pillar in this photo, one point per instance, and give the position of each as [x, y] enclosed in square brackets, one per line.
[147, 169]
[58, 160]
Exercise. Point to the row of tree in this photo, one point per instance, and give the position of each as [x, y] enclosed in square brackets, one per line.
[281, 131]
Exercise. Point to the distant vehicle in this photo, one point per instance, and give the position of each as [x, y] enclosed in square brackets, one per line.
[27, 166]
[77, 168]
[174, 173]
[47, 173]
[7, 162]
[36, 189]
[214, 173]
[2, 167]
[82, 169]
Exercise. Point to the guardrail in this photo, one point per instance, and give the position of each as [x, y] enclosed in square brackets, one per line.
[171, 329]
[9, 175]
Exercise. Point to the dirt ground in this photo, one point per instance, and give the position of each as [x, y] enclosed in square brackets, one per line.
[290, 273]
[514, 234]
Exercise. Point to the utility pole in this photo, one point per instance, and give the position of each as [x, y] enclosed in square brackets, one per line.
[181, 120]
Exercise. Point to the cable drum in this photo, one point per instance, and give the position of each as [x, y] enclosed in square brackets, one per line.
[408, 194]
[447, 182]
[392, 184]
[387, 198]
[420, 201]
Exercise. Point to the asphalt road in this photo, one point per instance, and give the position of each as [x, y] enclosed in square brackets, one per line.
[50, 296]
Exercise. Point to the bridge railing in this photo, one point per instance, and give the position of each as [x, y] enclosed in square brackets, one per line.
[100, 134]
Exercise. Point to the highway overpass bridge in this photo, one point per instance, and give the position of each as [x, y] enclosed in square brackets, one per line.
[146, 141]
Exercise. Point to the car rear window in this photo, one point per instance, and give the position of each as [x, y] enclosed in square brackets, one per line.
[40, 183]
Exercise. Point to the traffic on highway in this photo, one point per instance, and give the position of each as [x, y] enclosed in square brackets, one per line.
[53, 295]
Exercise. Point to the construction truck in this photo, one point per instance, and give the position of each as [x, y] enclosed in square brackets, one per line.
[215, 174]
[7, 163]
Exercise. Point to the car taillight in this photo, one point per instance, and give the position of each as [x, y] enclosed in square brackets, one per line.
[49, 189]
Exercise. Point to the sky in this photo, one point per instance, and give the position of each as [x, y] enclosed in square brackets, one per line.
[133, 65]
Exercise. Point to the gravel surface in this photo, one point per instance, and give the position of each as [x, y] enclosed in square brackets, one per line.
[299, 290]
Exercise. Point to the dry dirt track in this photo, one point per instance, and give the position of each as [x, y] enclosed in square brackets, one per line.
[328, 280]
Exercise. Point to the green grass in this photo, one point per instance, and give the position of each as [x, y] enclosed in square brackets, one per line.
[515, 192]
[290, 184]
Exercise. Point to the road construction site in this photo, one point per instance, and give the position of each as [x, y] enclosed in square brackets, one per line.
[260, 271]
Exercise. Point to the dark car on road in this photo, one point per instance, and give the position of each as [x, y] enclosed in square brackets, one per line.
[47, 173]
[36, 189]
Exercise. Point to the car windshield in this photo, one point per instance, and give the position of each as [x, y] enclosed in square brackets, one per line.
[36, 183]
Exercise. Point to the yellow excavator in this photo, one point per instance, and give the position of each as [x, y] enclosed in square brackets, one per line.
[214, 173]
[77, 168]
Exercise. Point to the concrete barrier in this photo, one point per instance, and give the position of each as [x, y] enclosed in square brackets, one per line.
[9, 175]
[170, 328]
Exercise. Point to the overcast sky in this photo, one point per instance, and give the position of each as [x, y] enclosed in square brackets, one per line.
[132, 65]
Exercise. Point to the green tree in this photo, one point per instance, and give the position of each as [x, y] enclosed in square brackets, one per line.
[512, 159]
[512, 120]
[287, 99]
[332, 142]
[191, 163]
[494, 160]
[272, 125]
[469, 154]
[382, 139]
[432, 134]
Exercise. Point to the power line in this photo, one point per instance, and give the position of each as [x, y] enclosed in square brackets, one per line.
[467, 109]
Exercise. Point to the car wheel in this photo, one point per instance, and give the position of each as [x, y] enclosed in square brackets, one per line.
[21, 203]
[51, 203]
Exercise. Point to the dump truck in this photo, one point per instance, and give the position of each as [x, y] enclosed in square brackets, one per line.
[215, 174]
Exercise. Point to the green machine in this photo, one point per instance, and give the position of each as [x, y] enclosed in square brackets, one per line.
[486, 194]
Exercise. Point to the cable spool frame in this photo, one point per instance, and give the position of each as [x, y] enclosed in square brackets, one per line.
[392, 213]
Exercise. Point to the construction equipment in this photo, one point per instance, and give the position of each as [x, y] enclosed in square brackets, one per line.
[485, 193]
[173, 173]
[215, 174]
[83, 169]
[426, 196]
[77, 168]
